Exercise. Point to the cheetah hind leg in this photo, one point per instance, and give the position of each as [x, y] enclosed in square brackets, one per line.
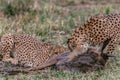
[6, 47]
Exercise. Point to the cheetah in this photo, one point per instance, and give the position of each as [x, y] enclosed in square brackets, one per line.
[98, 29]
[25, 50]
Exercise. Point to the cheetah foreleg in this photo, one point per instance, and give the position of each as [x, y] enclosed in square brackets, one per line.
[113, 43]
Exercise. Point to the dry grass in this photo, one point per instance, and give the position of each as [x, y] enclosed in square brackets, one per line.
[55, 20]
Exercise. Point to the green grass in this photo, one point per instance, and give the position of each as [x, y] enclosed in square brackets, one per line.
[55, 21]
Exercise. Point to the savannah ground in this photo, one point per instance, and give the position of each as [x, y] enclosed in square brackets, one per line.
[55, 21]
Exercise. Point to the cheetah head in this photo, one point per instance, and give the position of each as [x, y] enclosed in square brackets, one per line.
[76, 43]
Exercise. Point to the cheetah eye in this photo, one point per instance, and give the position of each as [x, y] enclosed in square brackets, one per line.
[72, 47]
